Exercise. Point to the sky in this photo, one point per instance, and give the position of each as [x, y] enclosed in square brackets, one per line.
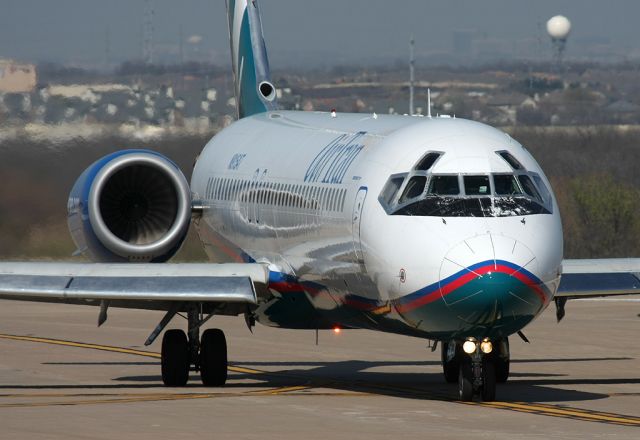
[313, 33]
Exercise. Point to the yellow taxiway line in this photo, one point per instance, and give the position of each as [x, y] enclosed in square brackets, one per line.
[87, 399]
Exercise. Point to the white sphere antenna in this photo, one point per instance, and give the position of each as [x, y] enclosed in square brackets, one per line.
[559, 27]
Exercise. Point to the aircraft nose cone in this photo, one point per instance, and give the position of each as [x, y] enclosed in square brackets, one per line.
[488, 283]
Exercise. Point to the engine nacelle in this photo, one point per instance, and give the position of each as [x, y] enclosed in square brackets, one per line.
[131, 205]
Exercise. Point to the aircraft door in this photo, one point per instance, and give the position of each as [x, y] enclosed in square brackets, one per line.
[356, 221]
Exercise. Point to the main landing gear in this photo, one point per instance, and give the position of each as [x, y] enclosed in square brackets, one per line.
[477, 366]
[182, 350]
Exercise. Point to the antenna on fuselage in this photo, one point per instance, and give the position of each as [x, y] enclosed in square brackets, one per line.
[412, 74]
[428, 103]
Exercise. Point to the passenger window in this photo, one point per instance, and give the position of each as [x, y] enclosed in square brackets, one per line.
[427, 162]
[444, 186]
[529, 187]
[477, 185]
[391, 189]
[414, 188]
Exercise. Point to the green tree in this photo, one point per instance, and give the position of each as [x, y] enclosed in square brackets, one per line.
[606, 222]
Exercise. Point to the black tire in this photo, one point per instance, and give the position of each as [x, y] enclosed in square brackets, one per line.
[465, 383]
[175, 358]
[502, 361]
[449, 368]
[488, 381]
[213, 358]
[502, 370]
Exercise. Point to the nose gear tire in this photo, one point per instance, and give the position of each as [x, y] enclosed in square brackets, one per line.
[465, 383]
[488, 393]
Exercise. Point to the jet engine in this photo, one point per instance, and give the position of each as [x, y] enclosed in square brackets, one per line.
[130, 206]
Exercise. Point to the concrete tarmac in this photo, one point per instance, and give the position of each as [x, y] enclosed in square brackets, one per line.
[62, 377]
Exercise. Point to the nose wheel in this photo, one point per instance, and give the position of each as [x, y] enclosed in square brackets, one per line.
[477, 378]
[465, 383]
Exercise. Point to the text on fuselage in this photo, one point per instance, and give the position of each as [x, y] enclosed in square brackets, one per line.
[332, 163]
[236, 160]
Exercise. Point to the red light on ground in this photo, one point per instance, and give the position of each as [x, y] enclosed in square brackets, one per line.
[337, 330]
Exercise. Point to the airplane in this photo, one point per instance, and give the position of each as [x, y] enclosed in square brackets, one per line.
[432, 227]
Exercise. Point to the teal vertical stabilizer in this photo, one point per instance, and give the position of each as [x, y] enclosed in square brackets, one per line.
[254, 91]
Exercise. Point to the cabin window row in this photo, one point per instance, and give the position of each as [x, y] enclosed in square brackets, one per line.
[306, 197]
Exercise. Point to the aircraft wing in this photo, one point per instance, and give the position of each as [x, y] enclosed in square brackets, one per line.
[141, 286]
[597, 278]
[606, 277]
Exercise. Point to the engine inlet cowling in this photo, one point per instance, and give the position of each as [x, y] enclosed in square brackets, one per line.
[132, 205]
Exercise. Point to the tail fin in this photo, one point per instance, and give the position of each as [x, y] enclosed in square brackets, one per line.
[254, 91]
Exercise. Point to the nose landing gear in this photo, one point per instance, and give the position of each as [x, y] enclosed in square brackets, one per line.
[477, 376]
[477, 367]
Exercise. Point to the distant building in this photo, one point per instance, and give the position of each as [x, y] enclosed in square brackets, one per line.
[16, 77]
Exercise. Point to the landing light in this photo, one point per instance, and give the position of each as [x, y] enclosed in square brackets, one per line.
[337, 330]
[469, 347]
[486, 346]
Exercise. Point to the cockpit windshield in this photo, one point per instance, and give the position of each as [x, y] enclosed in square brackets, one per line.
[423, 193]
[444, 186]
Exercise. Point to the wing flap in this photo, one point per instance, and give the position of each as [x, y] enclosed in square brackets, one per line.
[199, 289]
[221, 283]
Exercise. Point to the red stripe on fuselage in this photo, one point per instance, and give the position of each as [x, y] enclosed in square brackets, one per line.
[468, 277]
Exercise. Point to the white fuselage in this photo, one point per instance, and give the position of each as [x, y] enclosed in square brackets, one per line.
[303, 192]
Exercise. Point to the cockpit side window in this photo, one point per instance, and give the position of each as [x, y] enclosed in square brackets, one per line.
[414, 188]
[529, 187]
[544, 191]
[506, 185]
[444, 186]
[477, 185]
[512, 161]
[391, 189]
[427, 161]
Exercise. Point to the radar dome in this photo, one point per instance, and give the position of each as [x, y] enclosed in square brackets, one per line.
[559, 27]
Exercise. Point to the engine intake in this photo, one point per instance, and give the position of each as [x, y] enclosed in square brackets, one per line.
[136, 206]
